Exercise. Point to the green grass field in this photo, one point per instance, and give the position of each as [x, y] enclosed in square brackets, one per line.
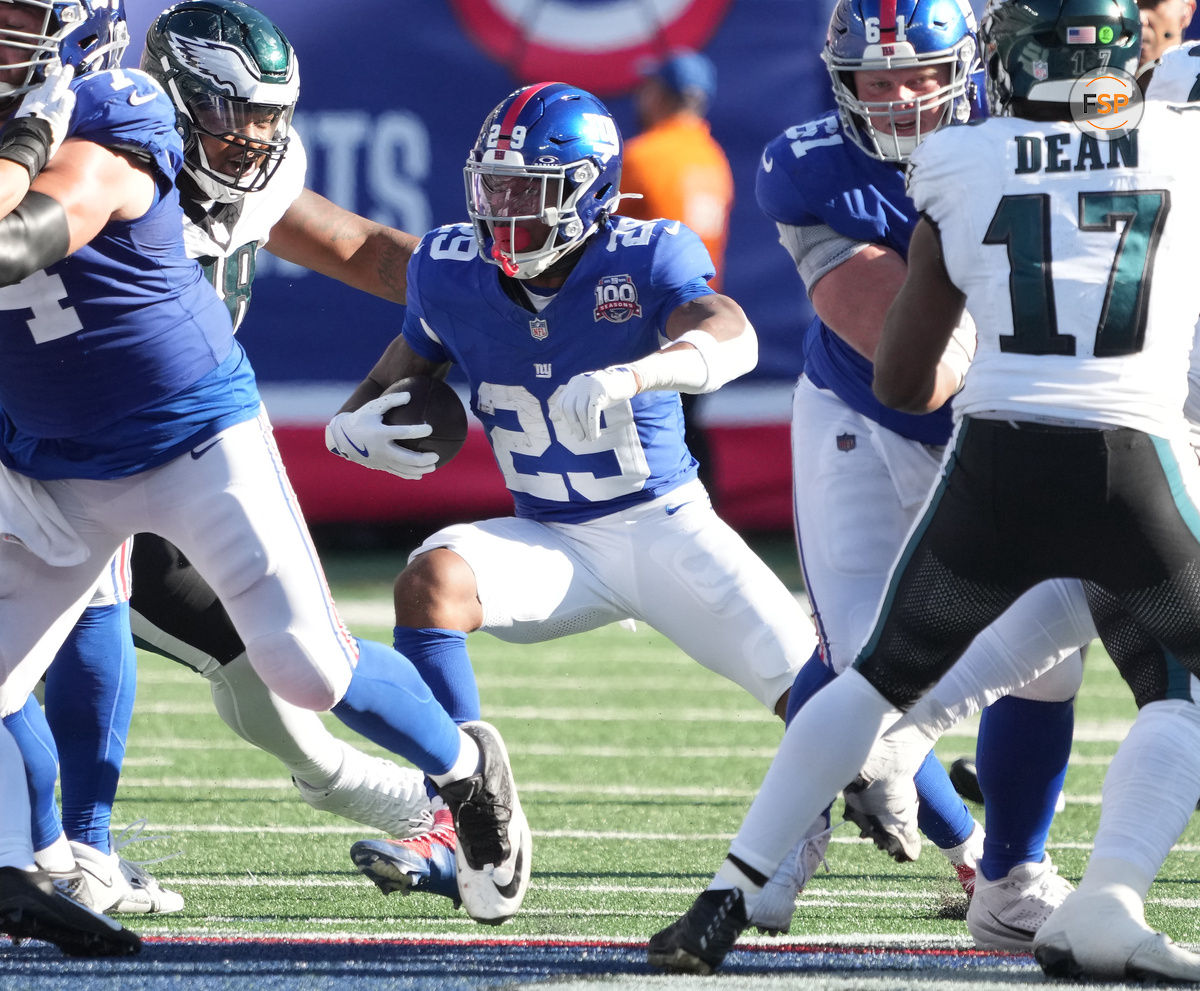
[635, 768]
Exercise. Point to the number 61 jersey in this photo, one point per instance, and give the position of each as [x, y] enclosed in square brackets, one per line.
[1077, 259]
[628, 280]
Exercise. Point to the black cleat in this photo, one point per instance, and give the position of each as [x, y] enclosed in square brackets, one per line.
[698, 942]
[32, 906]
[965, 779]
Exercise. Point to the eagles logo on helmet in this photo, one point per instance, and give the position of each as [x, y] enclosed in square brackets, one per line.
[247, 101]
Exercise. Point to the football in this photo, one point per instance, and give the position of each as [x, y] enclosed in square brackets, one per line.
[433, 402]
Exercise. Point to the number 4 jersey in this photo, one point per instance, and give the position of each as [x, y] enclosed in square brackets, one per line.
[1077, 258]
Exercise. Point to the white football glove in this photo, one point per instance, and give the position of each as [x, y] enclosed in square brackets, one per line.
[361, 436]
[53, 101]
[588, 394]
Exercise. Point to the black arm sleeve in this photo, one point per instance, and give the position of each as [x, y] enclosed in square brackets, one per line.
[33, 236]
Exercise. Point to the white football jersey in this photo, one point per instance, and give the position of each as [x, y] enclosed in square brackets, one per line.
[226, 239]
[1077, 259]
[1177, 75]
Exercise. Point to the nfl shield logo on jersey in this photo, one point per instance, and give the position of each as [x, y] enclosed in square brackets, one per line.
[616, 299]
[847, 442]
[539, 329]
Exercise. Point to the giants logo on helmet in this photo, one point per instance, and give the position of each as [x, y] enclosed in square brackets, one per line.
[616, 299]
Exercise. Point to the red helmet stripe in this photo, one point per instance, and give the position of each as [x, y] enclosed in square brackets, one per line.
[514, 111]
[887, 16]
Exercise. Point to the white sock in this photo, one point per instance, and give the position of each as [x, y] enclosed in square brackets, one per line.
[467, 763]
[57, 856]
[822, 751]
[1149, 793]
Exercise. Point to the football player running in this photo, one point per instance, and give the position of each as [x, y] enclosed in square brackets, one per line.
[1070, 458]
[188, 454]
[576, 329]
[835, 188]
[242, 186]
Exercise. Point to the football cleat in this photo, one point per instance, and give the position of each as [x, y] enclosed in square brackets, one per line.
[113, 884]
[885, 812]
[1102, 935]
[32, 906]
[494, 841]
[697, 942]
[373, 792]
[419, 863]
[1007, 913]
[965, 858]
[777, 904]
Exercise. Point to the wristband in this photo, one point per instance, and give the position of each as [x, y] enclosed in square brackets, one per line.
[27, 141]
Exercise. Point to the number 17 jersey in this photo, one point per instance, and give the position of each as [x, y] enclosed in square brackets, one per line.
[1076, 256]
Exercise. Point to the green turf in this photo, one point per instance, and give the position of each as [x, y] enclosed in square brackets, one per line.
[635, 768]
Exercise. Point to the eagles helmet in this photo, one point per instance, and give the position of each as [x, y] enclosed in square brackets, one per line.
[548, 157]
[1036, 49]
[86, 34]
[901, 34]
[232, 76]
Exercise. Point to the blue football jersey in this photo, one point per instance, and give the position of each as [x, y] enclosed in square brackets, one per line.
[612, 309]
[811, 174]
[97, 349]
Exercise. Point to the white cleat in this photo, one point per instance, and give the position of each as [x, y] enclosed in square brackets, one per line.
[885, 812]
[374, 792]
[1102, 935]
[1006, 914]
[775, 906]
[494, 841]
[115, 885]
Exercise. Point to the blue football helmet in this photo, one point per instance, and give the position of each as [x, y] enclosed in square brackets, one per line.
[548, 158]
[86, 34]
[902, 34]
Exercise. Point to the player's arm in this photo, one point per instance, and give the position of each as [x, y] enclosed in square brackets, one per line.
[357, 432]
[853, 298]
[319, 235]
[84, 186]
[711, 343]
[910, 374]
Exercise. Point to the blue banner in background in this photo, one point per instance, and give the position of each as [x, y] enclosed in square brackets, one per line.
[393, 93]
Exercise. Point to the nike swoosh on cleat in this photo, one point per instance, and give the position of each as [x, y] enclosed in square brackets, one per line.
[510, 890]
[199, 452]
[360, 450]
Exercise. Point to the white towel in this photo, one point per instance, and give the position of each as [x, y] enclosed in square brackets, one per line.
[31, 518]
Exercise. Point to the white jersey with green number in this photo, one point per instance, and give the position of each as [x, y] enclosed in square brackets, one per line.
[1077, 259]
[226, 239]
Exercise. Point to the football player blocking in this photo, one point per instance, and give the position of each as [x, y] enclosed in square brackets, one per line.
[834, 186]
[235, 201]
[203, 434]
[576, 329]
[1071, 430]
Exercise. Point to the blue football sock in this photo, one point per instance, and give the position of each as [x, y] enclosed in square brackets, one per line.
[389, 704]
[31, 731]
[441, 659]
[90, 689]
[941, 813]
[813, 675]
[1021, 758]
